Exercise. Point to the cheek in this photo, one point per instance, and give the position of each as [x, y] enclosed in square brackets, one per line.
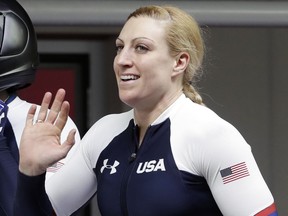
[115, 66]
[161, 70]
[156, 79]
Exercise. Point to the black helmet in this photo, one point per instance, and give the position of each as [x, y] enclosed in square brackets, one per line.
[18, 47]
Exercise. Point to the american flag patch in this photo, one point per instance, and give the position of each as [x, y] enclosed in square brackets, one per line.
[234, 172]
[55, 167]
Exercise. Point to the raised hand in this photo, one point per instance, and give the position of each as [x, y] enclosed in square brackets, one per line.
[40, 145]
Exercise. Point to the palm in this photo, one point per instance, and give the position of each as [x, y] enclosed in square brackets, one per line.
[40, 144]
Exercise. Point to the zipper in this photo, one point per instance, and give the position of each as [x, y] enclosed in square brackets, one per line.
[132, 163]
[124, 185]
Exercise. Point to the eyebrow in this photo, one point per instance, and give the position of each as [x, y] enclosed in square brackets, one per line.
[138, 38]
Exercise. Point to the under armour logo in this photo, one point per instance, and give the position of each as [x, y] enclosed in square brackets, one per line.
[107, 166]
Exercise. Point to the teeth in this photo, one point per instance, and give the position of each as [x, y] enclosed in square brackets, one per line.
[129, 77]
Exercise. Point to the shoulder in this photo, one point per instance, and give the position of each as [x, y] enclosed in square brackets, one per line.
[205, 136]
[110, 125]
[17, 113]
[106, 128]
[101, 133]
[206, 130]
[116, 120]
[200, 120]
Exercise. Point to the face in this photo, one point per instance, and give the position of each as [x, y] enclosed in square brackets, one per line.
[143, 66]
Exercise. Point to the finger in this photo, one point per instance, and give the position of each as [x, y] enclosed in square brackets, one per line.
[63, 115]
[56, 106]
[70, 138]
[31, 114]
[44, 106]
[69, 142]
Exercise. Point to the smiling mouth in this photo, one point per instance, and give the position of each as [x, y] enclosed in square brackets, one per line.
[129, 77]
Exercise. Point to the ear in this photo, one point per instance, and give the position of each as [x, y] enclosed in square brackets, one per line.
[181, 63]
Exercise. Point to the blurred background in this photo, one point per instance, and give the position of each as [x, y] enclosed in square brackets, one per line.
[245, 68]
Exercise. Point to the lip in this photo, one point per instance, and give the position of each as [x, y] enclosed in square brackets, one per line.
[129, 77]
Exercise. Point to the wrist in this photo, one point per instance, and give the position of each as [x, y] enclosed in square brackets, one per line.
[30, 170]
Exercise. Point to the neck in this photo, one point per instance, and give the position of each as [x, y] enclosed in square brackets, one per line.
[4, 95]
[144, 118]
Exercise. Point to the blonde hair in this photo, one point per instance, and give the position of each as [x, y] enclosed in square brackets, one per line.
[183, 34]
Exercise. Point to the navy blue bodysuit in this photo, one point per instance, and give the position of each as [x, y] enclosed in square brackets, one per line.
[190, 162]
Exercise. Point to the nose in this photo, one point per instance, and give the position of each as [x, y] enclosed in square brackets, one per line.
[124, 58]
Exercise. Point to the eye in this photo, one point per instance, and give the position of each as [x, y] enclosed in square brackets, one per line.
[141, 48]
[118, 48]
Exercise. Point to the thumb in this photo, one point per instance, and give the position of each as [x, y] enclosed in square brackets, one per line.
[69, 142]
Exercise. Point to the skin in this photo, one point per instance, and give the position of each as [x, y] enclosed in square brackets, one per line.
[142, 52]
[40, 144]
[4, 95]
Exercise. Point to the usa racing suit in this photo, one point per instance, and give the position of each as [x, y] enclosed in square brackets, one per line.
[191, 162]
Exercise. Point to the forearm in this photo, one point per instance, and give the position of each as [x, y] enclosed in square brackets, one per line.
[31, 198]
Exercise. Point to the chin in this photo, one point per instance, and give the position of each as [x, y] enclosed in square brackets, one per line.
[128, 100]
